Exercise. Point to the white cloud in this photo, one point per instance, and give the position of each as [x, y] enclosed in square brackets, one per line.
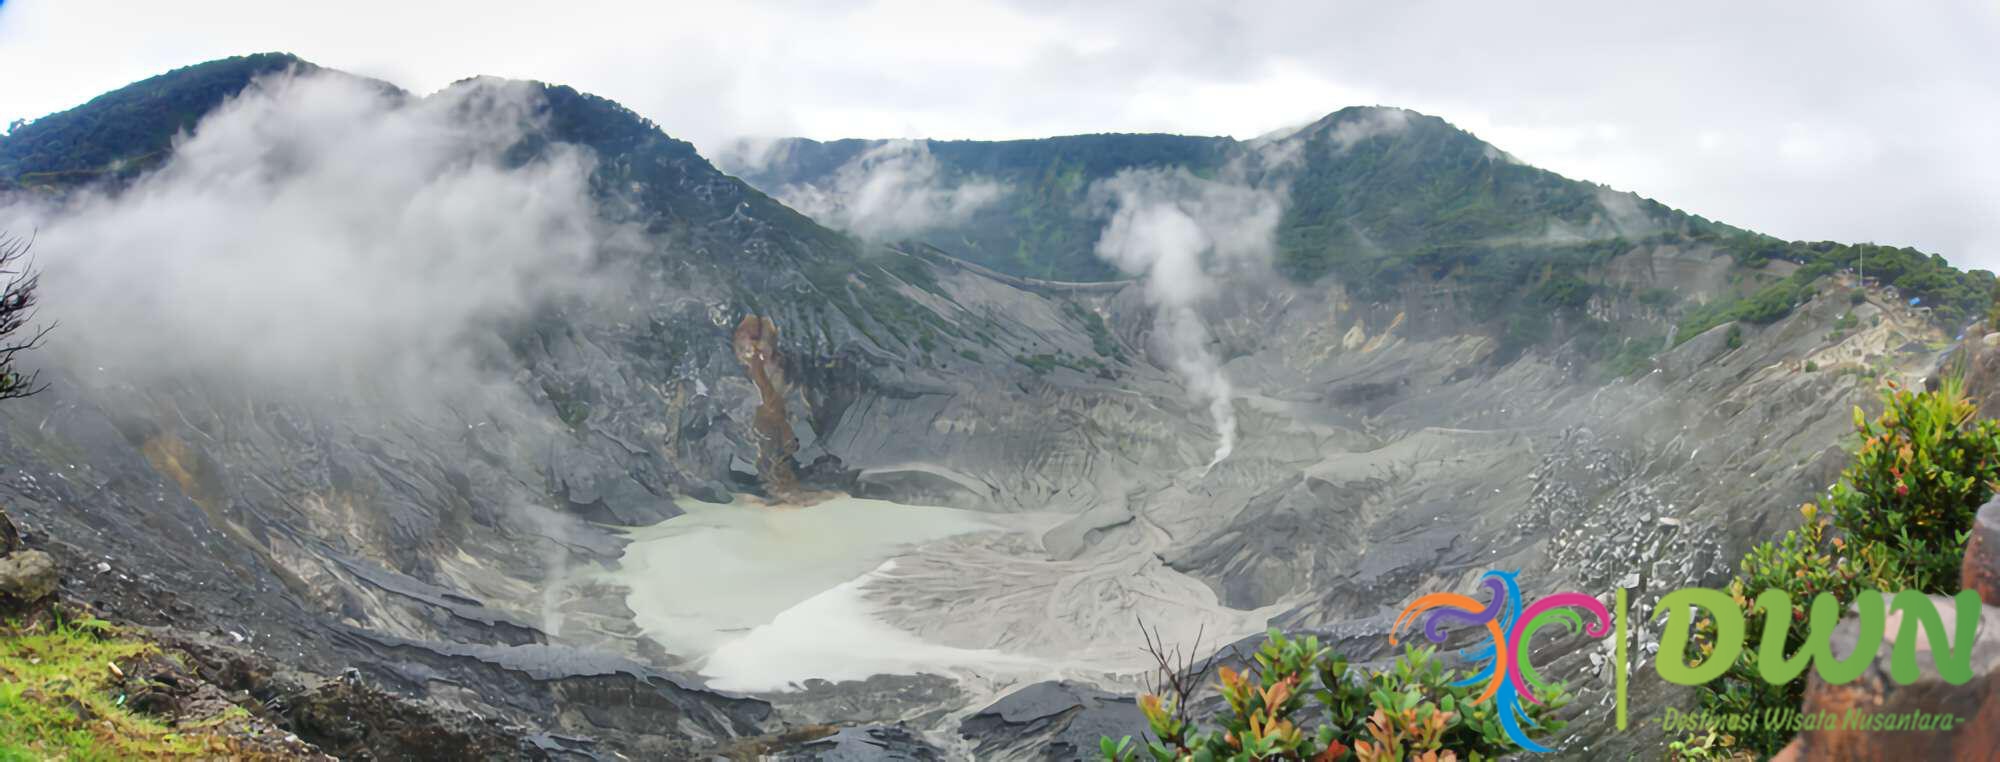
[1173, 230]
[317, 233]
[1370, 124]
[889, 191]
[1618, 95]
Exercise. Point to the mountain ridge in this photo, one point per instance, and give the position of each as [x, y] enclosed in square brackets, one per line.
[794, 160]
[75, 144]
[1418, 412]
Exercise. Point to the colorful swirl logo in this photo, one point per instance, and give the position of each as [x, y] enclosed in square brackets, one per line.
[1503, 661]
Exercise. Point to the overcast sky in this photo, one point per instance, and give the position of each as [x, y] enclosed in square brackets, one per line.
[1849, 121]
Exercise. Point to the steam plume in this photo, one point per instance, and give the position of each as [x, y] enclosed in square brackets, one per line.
[1172, 229]
[320, 238]
[321, 232]
[892, 190]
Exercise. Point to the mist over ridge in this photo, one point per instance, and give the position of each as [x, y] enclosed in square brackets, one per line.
[442, 389]
[319, 229]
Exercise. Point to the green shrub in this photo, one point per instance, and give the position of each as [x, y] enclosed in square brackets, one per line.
[1701, 746]
[1524, 329]
[1806, 562]
[1657, 298]
[1993, 308]
[1632, 356]
[574, 413]
[1043, 363]
[1925, 466]
[1897, 520]
[1101, 340]
[1563, 291]
[1408, 712]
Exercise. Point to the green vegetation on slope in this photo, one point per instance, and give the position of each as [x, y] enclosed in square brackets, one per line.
[1042, 226]
[1953, 295]
[128, 130]
[59, 699]
[1396, 204]
[1764, 306]
[1368, 209]
[1390, 202]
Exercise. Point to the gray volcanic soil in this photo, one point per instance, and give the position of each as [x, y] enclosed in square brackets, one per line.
[1381, 455]
[472, 547]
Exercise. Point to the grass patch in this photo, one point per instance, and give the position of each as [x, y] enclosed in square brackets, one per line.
[1767, 305]
[1101, 340]
[1043, 363]
[1630, 356]
[59, 699]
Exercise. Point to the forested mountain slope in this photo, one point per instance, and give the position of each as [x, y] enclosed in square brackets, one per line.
[1213, 384]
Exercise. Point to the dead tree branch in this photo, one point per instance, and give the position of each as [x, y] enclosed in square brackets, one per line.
[17, 310]
[1176, 675]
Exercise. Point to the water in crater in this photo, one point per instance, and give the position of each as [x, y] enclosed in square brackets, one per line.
[766, 597]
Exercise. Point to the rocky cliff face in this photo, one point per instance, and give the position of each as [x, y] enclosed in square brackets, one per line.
[428, 535]
[1393, 436]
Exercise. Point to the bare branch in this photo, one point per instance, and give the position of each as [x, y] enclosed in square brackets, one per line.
[1176, 675]
[17, 310]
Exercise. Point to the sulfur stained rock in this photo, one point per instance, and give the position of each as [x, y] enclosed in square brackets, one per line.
[756, 345]
[1975, 735]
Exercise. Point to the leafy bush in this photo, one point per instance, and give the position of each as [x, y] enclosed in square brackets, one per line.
[1041, 364]
[1806, 562]
[1524, 329]
[1564, 291]
[1924, 468]
[1631, 356]
[1993, 307]
[1657, 298]
[1766, 305]
[1410, 712]
[1101, 340]
[1897, 520]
